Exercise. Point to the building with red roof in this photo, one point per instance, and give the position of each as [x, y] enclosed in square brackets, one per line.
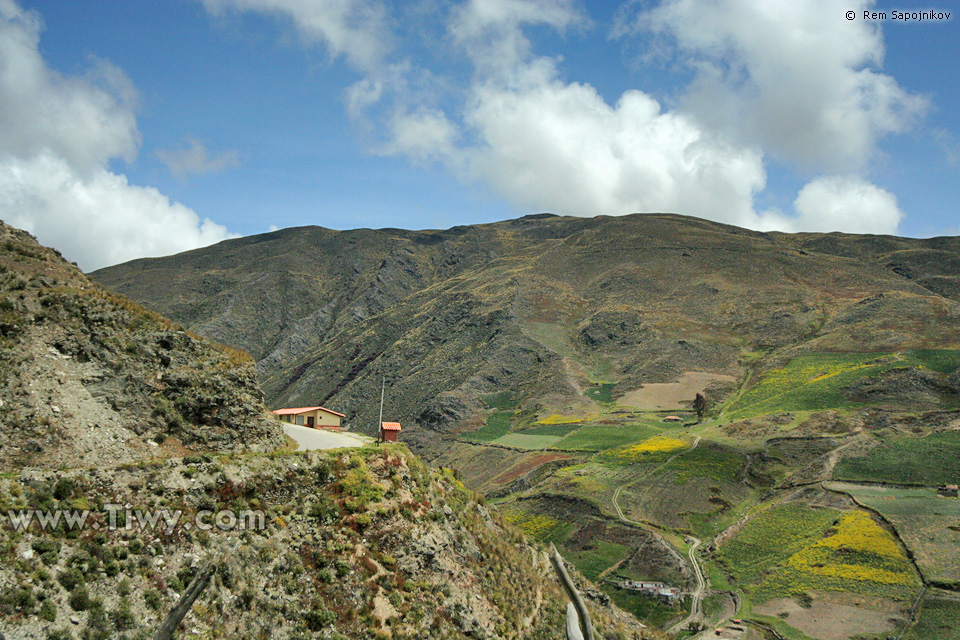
[314, 417]
[389, 431]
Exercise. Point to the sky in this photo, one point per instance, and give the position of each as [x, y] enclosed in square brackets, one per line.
[133, 129]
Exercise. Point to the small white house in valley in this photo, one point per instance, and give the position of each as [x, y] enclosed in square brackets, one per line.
[314, 417]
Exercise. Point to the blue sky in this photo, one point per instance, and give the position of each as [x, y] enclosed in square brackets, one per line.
[147, 128]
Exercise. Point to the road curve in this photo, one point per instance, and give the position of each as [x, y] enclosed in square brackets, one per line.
[697, 595]
[308, 438]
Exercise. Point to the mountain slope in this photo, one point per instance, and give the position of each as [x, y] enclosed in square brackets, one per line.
[90, 378]
[543, 306]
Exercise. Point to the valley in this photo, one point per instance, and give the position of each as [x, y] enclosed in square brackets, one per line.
[552, 362]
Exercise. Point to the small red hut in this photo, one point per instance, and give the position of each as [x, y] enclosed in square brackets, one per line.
[389, 431]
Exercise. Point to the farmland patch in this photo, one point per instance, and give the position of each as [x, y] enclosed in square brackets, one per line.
[667, 396]
[928, 461]
[926, 522]
[605, 436]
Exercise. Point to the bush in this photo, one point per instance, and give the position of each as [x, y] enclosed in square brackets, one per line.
[319, 616]
[98, 627]
[123, 617]
[79, 599]
[17, 599]
[48, 611]
[152, 599]
[71, 578]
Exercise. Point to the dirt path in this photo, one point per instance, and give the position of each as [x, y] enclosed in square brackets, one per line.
[697, 595]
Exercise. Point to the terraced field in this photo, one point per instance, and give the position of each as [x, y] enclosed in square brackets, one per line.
[923, 461]
[815, 382]
[928, 524]
[939, 618]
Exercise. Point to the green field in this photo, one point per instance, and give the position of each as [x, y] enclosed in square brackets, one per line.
[770, 538]
[923, 520]
[602, 556]
[602, 437]
[813, 382]
[498, 425]
[939, 617]
[708, 460]
[552, 429]
[527, 441]
[927, 461]
[502, 400]
[602, 392]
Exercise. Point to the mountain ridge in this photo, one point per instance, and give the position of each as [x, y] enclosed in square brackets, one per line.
[556, 300]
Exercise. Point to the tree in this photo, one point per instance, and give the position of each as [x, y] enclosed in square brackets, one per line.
[700, 406]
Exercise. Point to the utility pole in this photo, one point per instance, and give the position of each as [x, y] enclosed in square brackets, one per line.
[383, 386]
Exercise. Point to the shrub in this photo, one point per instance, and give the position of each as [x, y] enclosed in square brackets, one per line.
[152, 599]
[48, 611]
[70, 578]
[319, 616]
[79, 599]
[15, 599]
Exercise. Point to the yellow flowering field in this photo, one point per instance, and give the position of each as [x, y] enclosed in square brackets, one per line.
[813, 381]
[857, 555]
[649, 450]
[558, 419]
[537, 526]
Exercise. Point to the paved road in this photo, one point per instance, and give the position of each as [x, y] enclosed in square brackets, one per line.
[308, 438]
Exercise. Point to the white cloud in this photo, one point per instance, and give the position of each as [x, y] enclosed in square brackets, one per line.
[547, 145]
[949, 145]
[845, 203]
[777, 77]
[41, 110]
[791, 75]
[57, 135]
[356, 29]
[99, 219]
[490, 31]
[195, 159]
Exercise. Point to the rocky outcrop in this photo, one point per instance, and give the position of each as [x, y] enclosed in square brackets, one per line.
[90, 378]
[362, 544]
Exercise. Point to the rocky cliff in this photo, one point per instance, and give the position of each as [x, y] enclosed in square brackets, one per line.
[89, 378]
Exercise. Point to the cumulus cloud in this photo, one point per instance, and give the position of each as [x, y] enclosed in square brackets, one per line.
[86, 121]
[549, 145]
[790, 75]
[57, 135]
[773, 78]
[99, 219]
[194, 159]
[356, 29]
[845, 203]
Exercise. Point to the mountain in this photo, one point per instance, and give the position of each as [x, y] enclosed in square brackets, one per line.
[90, 378]
[553, 363]
[136, 455]
[551, 310]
